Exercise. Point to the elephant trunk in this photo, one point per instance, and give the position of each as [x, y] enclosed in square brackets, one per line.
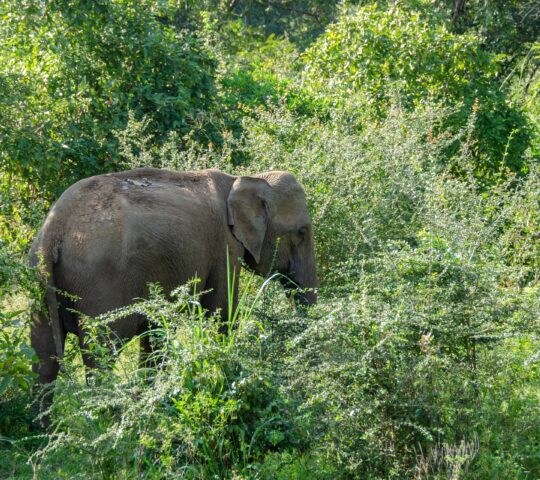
[306, 295]
[302, 281]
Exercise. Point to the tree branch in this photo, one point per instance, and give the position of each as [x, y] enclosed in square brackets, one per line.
[293, 9]
[459, 8]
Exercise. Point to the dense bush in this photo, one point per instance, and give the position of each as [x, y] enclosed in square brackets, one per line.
[375, 52]
[213, 407]
[433, 289]
[72, 70]
[19, 289]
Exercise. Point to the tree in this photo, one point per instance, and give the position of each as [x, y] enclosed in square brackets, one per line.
[374, 52]
[71, 71]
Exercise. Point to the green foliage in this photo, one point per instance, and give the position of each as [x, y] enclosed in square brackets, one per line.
[509, 413]
[507, 26]
[18, 288]
[298, 20]
[375, 52]
[71, 71]
[16, 355]
[210, 408]
[371, 49]
[416, 140]
[431, 282]
[19, 291]
[355, 212]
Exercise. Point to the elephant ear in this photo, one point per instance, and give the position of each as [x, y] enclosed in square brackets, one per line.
[248, 212]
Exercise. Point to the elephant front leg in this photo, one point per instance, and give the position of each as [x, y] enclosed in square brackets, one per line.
[221, 298]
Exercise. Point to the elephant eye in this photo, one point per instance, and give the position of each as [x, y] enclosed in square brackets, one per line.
[302, 232]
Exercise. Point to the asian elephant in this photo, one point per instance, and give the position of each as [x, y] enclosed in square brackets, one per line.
[110, 235]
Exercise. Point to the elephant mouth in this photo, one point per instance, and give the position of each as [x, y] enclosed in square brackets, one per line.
[288, 284]
[301, 298]
[289, 279]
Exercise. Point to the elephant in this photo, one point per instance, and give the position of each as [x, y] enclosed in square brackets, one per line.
[109, 236]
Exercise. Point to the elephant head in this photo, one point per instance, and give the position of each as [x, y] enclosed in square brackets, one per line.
[269, 216]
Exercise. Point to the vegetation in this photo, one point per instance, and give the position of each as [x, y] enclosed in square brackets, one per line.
[413, 126]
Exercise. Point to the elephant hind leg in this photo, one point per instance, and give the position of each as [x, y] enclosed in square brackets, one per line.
[42, 341]
[90, 360]
[147, 357]
[47, 367]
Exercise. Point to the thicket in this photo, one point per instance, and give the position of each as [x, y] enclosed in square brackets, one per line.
[375, 54]
[413, 128]
[73, 70]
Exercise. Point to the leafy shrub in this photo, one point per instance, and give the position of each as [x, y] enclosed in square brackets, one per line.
[355, 181]
[253, 71]
[19, 289]
[210, 408]
[508, 416]
[19, 294]
[430, 279]
[16, 355]
[72, 70]
[373, 52]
